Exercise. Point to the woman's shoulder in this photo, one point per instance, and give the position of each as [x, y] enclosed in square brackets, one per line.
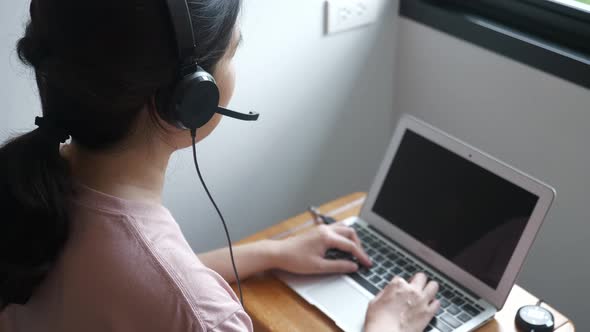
[205, 292]
[139, 268]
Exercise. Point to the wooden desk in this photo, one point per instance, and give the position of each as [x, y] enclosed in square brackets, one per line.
[275, 307]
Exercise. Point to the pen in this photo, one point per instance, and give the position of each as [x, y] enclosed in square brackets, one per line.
[320, 218]
[311, 222]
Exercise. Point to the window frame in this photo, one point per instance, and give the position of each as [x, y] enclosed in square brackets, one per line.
[543, 34]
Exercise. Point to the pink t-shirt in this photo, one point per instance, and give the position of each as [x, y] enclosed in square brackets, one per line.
[127, 267]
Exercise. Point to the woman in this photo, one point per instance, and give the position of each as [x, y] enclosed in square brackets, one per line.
[85, 243]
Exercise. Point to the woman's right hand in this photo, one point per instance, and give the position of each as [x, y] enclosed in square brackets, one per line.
[403, 306]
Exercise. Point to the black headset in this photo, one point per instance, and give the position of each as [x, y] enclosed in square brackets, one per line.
[195, 95]
[195, 98]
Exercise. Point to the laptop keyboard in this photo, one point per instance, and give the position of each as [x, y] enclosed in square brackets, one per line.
[455, 310]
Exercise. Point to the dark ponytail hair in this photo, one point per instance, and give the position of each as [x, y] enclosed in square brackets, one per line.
[97, 64]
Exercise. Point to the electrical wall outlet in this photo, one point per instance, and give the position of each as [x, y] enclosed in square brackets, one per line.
[342, 15]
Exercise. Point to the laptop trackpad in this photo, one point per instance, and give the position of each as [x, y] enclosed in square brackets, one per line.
[345, 304]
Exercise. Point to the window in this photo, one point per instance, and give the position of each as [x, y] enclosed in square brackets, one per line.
[551, 35]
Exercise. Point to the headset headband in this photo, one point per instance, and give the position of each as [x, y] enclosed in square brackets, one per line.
[183, 28]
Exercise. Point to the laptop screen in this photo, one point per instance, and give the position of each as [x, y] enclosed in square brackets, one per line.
[467, 214]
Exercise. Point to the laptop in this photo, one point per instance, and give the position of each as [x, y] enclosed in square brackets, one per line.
[439, 206]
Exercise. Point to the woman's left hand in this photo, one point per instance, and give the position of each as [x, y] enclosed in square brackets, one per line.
[304, 254]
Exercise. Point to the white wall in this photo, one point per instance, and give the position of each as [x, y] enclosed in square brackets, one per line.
[18, 97]
[532, 120]
[326, 105]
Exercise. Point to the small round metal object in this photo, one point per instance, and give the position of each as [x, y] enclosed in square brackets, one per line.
[534, 318]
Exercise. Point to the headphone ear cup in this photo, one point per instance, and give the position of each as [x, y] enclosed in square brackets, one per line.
[195, 100]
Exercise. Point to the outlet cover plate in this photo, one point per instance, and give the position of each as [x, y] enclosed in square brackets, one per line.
[343, 15]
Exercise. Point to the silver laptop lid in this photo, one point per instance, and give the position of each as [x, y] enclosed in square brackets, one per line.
[465, 213]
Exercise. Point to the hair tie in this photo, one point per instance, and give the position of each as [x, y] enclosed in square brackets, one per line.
[50, 127]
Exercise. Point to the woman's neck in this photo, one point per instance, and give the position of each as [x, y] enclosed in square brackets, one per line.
[133, 171]
[133, 174]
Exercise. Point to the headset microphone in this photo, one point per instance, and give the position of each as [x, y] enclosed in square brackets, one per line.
[252, 116]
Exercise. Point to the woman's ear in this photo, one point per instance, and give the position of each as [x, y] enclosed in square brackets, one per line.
[155, 116]
[153, 108]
